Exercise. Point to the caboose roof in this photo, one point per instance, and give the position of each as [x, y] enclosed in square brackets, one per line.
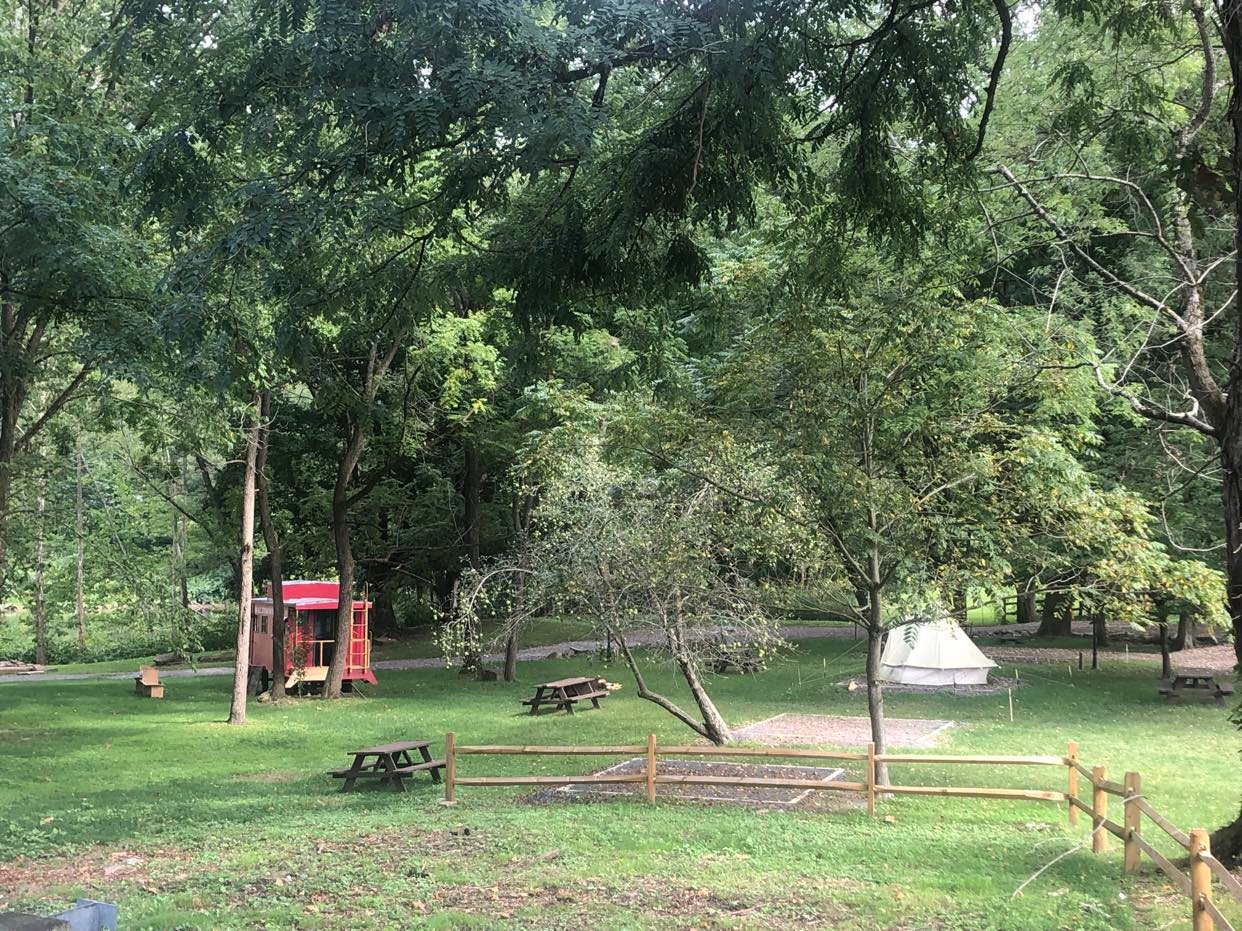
[312, 604]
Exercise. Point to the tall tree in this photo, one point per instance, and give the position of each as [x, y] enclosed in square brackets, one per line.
[241, 661]
[75, 273]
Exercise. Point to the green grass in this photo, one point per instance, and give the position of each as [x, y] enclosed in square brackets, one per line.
[239, 827]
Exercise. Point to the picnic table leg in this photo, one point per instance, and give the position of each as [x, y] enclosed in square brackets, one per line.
[534, 705]
[595, 702]
[355, 767]
[435, 773]
[390, 767]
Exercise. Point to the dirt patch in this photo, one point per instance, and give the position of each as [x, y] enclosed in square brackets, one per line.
[1218, 657]
[678, 906]
[757, 796]
[400, 846]
[97, 868]
[818, 730]
[273, 776]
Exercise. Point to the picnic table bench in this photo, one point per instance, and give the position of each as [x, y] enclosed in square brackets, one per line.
[389, 763]
[744, 659]
[148, 683]
[565, 693]
[1195, 682]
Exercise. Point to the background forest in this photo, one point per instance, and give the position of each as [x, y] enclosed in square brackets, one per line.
[936, 306]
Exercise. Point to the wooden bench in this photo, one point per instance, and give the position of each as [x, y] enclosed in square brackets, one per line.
[147, 682]
[389, 763]
[565, 693]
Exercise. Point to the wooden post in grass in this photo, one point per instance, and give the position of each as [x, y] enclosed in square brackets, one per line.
[1071, 757]
[651, 767]
[1200, 881]
[450, 768]
[871, 780]
[1099, 810]
[1133, 822]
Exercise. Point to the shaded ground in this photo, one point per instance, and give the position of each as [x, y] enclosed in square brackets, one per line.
[1219, 657]
[817, 730]
[761, 796]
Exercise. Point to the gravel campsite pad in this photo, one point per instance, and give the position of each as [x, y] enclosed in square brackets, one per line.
[762, 796]
[817, 730]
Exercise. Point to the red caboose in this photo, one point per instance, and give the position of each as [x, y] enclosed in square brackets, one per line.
[310, 635]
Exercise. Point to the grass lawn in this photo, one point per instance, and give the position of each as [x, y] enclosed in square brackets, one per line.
[191, 824]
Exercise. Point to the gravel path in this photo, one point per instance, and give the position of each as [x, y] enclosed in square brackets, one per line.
[1220, 657]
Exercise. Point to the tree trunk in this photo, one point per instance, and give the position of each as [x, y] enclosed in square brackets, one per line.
[345, 592]
[40, 555]
[272, 541]
[241, 664]
[79, 527]
[1026, 608]
[472, 512]
[511, 657]
[961, 606]
[875, 689]
[645, 693]
[523, 507]
[716, 729]
[1227, 841]
[1099, 627]
[1058, 616]
[10, 405]
[1184, 639]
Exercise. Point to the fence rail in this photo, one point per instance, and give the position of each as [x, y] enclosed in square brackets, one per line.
[1195, 881]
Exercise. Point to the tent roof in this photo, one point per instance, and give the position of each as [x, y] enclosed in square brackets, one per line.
[938, 644]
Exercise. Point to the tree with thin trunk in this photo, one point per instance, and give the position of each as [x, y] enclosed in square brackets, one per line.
[40, 568]
[355, 422]
[241, 663]
[79, 539]
[272, 540]
[655, 558]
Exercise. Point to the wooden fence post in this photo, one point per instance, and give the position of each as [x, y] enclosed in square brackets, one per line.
[1099, 810]
[871, 780]
[651, 767]
[450, 768]
[1133, 822]
[1072, 791]
[1200, 881]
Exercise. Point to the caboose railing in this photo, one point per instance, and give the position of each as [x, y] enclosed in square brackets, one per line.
[315, 653]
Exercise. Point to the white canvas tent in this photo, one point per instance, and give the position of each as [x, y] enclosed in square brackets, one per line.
[933, 653]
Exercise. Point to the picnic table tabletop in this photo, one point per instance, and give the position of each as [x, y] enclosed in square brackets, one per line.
[566, 683]
[1195, 673]
[396, 747]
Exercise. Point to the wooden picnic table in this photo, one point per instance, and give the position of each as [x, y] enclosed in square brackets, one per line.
[1195, 682]
[565, 693]
[389, 763]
